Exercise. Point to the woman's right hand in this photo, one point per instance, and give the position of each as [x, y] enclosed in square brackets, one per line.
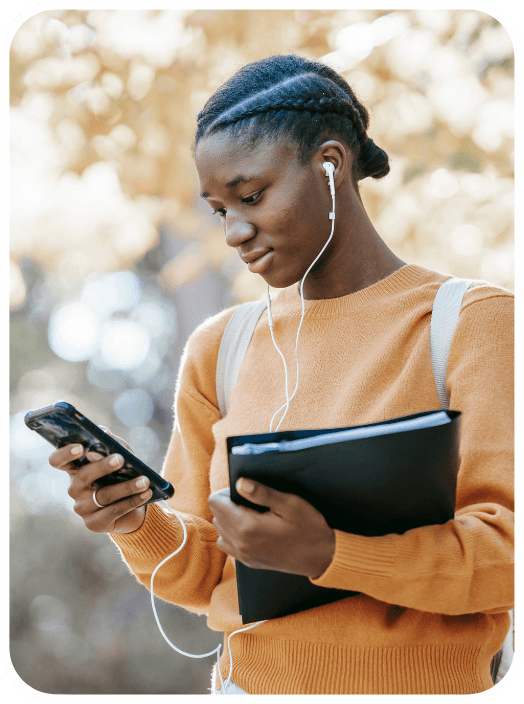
[123, 509]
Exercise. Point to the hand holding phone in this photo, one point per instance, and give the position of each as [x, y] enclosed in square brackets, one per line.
[110, 485]
[123, 504]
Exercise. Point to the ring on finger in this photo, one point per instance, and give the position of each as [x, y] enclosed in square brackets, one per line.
[94, 499]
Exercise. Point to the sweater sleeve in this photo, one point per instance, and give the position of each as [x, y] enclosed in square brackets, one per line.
[190, 577]
[467, 564]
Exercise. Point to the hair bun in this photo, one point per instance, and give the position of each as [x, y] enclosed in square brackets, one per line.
[373, 160]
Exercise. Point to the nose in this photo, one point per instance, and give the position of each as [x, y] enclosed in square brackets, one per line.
[238, 231]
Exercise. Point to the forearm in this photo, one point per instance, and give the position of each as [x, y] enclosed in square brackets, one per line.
[464, 566]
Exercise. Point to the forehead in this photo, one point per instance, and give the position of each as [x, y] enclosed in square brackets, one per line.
[221, 156]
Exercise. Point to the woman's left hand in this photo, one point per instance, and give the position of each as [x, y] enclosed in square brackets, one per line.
[291, 537]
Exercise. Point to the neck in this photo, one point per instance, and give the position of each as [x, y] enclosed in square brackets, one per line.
[356, 258]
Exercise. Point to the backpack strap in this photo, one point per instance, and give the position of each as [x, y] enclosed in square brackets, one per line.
[233, 348]
[444, 319]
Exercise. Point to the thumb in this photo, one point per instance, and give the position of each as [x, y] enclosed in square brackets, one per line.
[260, 494]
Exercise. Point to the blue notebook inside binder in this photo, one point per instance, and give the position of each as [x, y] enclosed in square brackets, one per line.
[366, 431]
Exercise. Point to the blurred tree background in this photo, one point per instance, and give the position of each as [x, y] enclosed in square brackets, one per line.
[115, 260]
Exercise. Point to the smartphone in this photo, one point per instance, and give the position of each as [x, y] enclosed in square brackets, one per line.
[62, 425]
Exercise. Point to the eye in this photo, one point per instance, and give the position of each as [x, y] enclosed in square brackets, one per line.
[250, 200]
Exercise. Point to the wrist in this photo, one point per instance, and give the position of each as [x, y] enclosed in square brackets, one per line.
[324, 556]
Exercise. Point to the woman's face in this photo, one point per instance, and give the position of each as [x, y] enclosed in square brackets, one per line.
[274, 210]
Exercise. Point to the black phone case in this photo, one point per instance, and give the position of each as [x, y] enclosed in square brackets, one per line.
[62, 424]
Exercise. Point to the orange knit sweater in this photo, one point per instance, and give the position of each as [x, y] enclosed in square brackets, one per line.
[433, 602]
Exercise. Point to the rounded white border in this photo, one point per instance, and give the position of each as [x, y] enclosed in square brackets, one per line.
[12, 16]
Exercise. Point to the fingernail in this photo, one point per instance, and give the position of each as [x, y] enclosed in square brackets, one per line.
[77, 449]
[141, 483]
[114, 461]
[145, 494]
[245, 485]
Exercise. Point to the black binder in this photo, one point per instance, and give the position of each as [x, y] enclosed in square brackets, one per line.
[368, 486]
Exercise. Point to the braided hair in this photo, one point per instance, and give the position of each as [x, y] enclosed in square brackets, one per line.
[293, 98]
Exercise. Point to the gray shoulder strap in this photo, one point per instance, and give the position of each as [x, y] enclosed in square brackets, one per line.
[233, 348]
[444, 319]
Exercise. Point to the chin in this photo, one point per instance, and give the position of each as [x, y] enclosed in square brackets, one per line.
[280, 280]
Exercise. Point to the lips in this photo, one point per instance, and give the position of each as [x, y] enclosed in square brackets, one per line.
[250, 257]
[258, 262]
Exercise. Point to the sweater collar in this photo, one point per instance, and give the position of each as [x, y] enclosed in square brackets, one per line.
[287, 303]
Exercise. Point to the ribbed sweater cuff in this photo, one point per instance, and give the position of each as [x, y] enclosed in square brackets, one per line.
[356, 559]
[158, 535]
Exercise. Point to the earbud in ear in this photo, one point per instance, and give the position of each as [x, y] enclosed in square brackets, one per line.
[330, 170]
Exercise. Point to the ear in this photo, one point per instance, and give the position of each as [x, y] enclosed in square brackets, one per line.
[335, 153]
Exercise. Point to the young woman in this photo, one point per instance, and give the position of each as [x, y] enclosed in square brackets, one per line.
[433, 603]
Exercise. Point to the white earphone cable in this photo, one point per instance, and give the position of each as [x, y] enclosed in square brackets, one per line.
[280, 353]
[288, 398]
[218, 649]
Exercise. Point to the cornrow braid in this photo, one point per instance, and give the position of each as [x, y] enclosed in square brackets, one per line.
[321, 106]
[291, 97]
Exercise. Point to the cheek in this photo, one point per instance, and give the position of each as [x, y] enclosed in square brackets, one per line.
[301, 226]
[289, 229]
[291, 216]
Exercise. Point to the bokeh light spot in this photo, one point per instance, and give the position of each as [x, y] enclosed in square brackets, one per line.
[134, 407]
[467, 240]
[443, 183]
[73, 332]
[113, 292]
[144, 442]
[125, 344]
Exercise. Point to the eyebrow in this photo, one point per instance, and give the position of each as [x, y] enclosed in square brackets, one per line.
[231, 184]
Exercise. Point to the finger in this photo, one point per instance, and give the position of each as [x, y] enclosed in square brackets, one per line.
[222, 493]
[116, 492]
[222, 545]
[94, 456]
[220, 497]
[139, 497]
[65, 455]
[89, 473]
[103, 520]
[72, 468]
[223, 542]
[221, 505]
[276, 501]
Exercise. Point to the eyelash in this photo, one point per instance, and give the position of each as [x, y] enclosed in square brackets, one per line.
[250, 200]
